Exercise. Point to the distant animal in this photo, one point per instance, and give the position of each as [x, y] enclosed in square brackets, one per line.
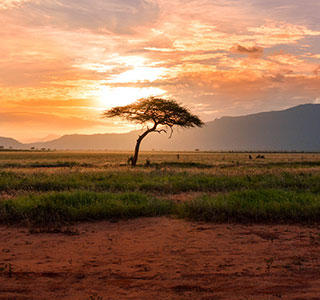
[178, 156]
[262, 156]
[250, 157]
[129, 160]
[148, 162]
[258, 156]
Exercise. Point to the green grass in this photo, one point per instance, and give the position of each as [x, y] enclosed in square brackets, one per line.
[68, 207]
[65, 187]
[258, 206]
[164, 182]
[255, 206]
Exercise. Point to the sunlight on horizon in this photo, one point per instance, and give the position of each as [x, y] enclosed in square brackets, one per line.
[120, 96]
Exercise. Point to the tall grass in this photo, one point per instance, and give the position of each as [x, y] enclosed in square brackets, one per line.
[255, 206]
[66, 207]
[259, 206]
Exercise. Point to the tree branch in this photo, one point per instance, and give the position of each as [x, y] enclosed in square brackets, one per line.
[171, 129]
[161, 130]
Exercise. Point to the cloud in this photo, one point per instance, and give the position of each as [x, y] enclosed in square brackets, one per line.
[50, 121]
[279, 33]
[5, 4]
[316, 71]
[86, 103]
[117, 16]
[289, 10]
[61, 58]
[253, 51]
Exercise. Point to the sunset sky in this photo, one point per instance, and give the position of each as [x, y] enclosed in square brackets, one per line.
[62, 62]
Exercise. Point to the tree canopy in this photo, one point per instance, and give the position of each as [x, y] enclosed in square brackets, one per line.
[156, 111]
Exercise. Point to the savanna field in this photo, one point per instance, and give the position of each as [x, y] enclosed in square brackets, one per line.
[180, 225]
[63, 187]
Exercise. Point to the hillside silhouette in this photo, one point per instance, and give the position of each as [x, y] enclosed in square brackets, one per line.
[293, 129]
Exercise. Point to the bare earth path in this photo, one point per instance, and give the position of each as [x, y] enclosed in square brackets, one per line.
[161, 258]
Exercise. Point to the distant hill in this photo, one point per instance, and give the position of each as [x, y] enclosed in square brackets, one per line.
[297, 128]
[10, 143]
[48, 138]
[110, 141]
[294, 129]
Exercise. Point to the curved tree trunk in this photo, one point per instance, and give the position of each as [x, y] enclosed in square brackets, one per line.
[136, 152]
[137, 148]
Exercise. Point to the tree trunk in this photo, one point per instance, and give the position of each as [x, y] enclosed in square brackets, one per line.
[136, 150]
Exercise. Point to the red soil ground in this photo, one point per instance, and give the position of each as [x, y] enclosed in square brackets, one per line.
[161, 258]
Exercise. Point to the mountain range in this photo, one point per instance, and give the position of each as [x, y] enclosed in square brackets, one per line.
[293, 129]
[48, 138]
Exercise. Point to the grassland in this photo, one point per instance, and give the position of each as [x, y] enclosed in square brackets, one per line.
[64, 187]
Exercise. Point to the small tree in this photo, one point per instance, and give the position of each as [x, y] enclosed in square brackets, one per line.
[162, 114]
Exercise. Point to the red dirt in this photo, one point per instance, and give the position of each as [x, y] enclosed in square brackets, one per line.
[161, 258]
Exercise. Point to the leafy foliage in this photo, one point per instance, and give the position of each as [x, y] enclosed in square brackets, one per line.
[159, 111]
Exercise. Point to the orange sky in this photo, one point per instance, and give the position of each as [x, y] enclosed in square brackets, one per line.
[62, 62]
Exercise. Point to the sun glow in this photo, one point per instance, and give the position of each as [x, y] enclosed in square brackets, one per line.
[119, 96]
[138, 74]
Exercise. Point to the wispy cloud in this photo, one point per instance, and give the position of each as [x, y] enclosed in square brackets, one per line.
[117, 16]
[253, 51]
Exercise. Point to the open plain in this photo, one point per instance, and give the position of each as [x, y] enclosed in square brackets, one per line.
[84, 225]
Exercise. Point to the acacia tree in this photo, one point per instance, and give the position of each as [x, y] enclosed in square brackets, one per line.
[158, 114]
